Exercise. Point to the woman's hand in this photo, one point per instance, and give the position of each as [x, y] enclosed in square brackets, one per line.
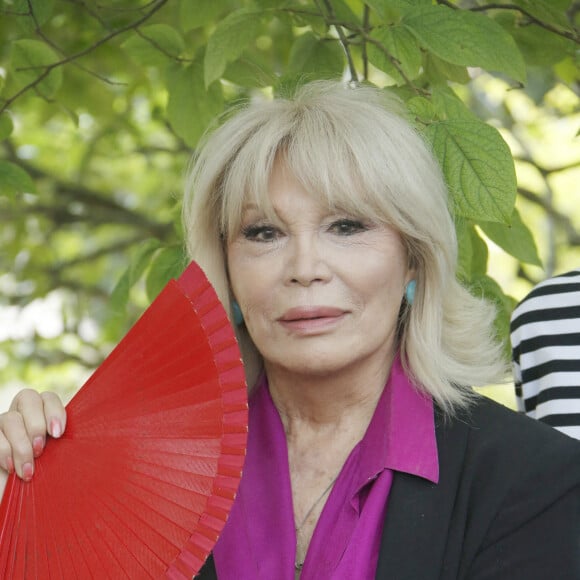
[24, 428]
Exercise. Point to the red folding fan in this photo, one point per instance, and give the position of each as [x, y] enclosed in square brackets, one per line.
[142, 481]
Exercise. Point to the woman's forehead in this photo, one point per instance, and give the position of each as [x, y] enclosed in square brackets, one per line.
[339, 188]
[286, 191]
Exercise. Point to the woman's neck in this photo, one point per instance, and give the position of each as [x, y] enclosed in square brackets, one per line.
[327, 401]
[324, 418]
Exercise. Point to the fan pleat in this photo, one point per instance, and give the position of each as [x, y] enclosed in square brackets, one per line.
[141, 483]
[168, 517]
[7, 509]
[59, 553]
[129, 533]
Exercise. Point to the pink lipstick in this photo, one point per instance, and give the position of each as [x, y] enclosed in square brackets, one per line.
[311, 319]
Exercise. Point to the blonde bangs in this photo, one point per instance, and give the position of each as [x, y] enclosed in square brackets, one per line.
[334, 173]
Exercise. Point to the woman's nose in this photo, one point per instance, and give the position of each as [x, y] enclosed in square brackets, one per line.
[307, 262]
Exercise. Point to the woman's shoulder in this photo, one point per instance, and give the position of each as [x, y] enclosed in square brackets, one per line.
[500, 453]
[487, 422]
[487, 427]
[512, 478]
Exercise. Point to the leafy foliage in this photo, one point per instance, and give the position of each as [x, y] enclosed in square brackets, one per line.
[101, 105]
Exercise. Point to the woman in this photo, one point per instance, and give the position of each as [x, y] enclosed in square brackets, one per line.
[322, 222]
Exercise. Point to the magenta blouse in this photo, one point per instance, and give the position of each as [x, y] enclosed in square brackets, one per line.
[259, 539]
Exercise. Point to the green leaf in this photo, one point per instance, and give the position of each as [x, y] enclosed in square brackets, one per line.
[308, 16]
[279, 4]
[247, 72]
[154, 45]
[401, 45]
[516, 239]
[191, 108]
[310, 54]
[228, 41]
[384, 9]
[479, 254]
[391, 9]
[439, 71]
[449, 105]
[137, 265]
[473, 253]
[120, 294]
[547, 11]
[422, 109]
[142, 257]
[478, 166]
[343, 12]
[14, 179]
[466, 38]
[488, 288]
[29, 62]
[196, 13]
[539, 47]
[567, 70]
[38, 11]
[168, 263]
[464, 250]
[6, 126]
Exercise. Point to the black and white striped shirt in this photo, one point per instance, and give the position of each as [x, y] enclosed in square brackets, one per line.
[545, 336]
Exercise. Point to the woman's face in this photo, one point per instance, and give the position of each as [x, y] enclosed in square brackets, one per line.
[320, 290]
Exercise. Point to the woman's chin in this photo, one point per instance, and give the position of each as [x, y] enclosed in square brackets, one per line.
[312, 363]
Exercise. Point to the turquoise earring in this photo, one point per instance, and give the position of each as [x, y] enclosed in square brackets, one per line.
[237, 312]
[410, 291]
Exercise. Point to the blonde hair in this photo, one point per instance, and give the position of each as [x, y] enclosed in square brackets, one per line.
[354, 148]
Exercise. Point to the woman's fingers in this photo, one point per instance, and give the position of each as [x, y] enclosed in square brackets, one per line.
[54, 414]
[20, 447]
[6, 461]
[30, 405]
[24, 428]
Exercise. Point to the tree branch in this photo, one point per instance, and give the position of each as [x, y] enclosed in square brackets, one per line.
[91, 257]
[156, 45]
[71, 58]
[117, 213]
[343, 41]
[572, 235]
[573, 36]
[366, 25]
[51, 43]
[397, 65]
[545, 172]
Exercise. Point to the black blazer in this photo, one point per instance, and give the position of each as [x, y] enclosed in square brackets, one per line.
[507, 505]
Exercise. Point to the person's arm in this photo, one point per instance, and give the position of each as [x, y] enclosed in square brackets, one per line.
[32, 416]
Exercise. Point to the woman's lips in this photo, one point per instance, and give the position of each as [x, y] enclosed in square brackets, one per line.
[311, 319]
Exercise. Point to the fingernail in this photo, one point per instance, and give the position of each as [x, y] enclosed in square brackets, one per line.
[9, 465]
[27, 471]
[55, 428]
[37, 445]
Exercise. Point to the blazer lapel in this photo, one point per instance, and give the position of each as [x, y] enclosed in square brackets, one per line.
[419, 513]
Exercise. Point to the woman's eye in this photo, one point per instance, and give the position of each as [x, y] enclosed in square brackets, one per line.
[260, 233]
[347, 227]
